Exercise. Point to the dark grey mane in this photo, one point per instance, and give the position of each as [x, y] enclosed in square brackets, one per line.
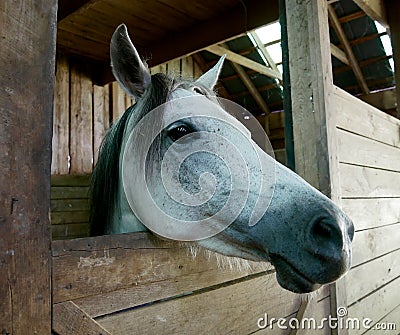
[104, 184]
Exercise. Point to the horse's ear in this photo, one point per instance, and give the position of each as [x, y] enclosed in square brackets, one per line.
[127, 67]
[210, 78]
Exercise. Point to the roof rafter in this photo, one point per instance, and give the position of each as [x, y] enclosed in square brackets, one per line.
[250, 86]
[246, 62]
[349, 52]
[375, 9]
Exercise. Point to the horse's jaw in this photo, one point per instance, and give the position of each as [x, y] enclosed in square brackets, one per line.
[302, 233]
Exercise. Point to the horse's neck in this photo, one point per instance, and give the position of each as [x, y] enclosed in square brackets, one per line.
[124, 220]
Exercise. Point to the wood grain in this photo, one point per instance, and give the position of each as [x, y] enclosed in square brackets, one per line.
[81, 145]
[372, 243]
[60, 145]
[27, 58]
[101, 116]
[380, 271]
[69, 319]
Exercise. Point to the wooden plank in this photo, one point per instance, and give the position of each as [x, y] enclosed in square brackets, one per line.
[372, 213]
[383, 302]
[126, 261]
[372, 243]
[355, 149]
[63, 205]
[246, 62]
[187, 68]
[69, 319]
[363, 182]
[391, 323]
[60, 141]
[81, 145]
[69, 192]
[370, 276]
[70, 230]
[384, 100]
[28, 31]
[174, 67]
[334, 20]
[69, 180]
[252, 88]
[361, 118]
[68, 217]
[118, 101]
[339, 54]
[375, 9]
[227, 311]
[101, 116]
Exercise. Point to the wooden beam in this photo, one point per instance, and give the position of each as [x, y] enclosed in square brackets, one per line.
[314, 121]
[246, 62]
[264, 51]
[68, 318]
[251, 87]
[27, 55]
[375, 9]
[339, 54]
[383, 100]
[233, 22]
[349, 52]
[393, 10]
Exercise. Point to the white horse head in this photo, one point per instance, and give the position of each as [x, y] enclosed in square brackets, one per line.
[178, 164]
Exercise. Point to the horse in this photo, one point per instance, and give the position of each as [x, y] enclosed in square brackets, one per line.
[279, 217]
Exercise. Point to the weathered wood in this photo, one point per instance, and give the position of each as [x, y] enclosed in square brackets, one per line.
[174, 67]
[363, 119]
[128, 262]
[81, 145]
[69, 217]
[364, 182]
[372, 243]
[70, 180]
[375, 9]
[62, 205]
[27, 58]
[69, 319]
[246, 62]
[187, 315]
[355, 149]
[60, 142]
[382, 302]
[70, 230]
[372, 212]
[391, 320]
[69, 192]
[314, 117]
[383, 100]
[187, 68]
[118, 101]
[101, 116]
[380, 271]
[339, 54]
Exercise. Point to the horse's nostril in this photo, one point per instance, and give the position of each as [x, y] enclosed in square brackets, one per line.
[326, 234]
[322, 229]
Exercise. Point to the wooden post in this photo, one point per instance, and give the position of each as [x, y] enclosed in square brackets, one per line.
[314, 123]
[393, 16]
[27, 58]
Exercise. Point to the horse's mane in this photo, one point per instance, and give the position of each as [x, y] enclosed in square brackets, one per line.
[105, 177]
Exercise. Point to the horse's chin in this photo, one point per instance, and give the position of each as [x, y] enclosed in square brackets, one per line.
[290, 278]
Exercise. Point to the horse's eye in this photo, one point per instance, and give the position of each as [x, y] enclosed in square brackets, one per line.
[178, 132]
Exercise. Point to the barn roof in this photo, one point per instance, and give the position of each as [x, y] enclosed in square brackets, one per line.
[167, 29]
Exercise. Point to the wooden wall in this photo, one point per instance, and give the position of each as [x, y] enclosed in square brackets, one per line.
[84, 111]
[369, 168]
[137, 284]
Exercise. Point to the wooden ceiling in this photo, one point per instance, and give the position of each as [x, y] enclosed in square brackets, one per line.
[161, 29]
